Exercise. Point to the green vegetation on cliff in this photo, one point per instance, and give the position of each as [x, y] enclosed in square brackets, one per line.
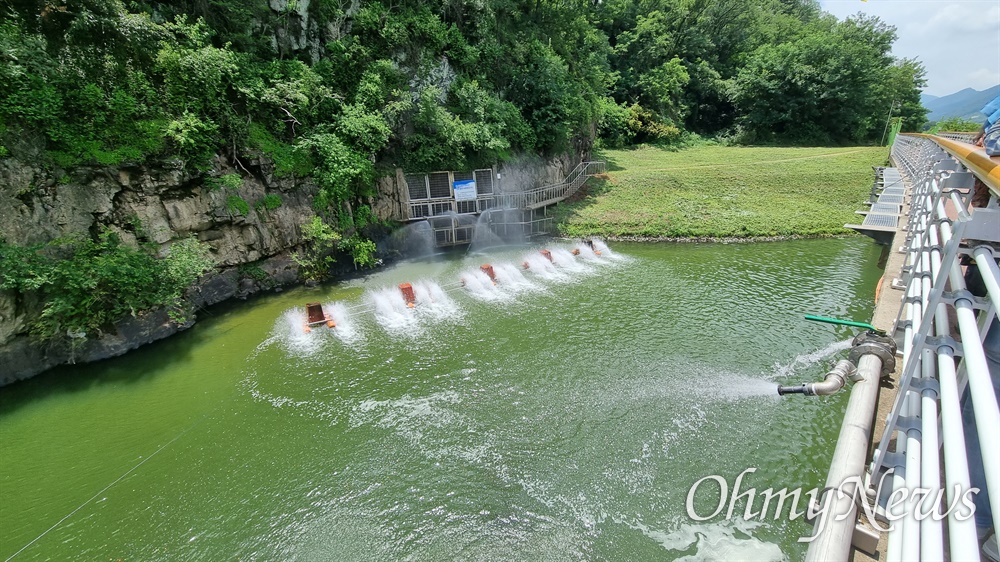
[86, 285]
[720, 192]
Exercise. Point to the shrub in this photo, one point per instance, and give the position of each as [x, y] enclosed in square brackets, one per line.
[86, 285]
[362, 250]
[237, 205]
[269, 202]
[319, 241]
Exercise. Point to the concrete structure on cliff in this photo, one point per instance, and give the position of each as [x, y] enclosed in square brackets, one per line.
[510, 202]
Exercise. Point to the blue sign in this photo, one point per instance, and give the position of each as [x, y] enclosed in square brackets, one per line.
[465, 190]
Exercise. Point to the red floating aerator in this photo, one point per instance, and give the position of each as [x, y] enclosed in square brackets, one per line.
[408, 295]
[547, 254]
[488, 270]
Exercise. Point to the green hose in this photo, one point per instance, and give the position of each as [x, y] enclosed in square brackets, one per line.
[868, 327]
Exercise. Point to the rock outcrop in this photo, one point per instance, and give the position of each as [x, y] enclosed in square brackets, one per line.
[152, 203]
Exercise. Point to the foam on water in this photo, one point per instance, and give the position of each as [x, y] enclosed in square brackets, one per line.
[717, 541]
[510, 278]
[564, 259]
[601, 247]
[290, 329]
[433, 301]
[586, 252]
[540, 265]
[390, 309]
[480, 286]
[347, 329]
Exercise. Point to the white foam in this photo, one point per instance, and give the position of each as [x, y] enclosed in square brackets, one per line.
[481, 286]
[540, 266]
[291, 330]
[717, 541]
[346, 330]
[391, 311]
[510, 278]
[566, 260]
[586, 252]
[433, 301]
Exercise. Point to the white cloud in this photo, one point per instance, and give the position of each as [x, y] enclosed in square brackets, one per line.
[957, 41]
[983, 78]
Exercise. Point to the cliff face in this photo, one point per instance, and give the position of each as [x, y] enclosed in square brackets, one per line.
[161, 203]
[157, 203]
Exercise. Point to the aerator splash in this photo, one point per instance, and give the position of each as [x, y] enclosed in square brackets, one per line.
[489, 282]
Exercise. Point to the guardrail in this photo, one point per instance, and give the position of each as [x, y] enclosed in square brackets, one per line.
[958, 136]
[549, 194]
[928, 438]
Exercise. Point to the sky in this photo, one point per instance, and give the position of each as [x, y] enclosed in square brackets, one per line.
[957, 41]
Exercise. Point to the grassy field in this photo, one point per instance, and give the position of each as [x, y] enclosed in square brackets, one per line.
[723, 192]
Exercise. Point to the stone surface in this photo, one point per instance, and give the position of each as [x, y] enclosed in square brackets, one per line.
[152, 203]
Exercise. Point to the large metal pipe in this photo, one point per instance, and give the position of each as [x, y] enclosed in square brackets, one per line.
[874, 355]
[832, 382]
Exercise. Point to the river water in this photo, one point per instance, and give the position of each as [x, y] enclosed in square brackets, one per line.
[563, 414]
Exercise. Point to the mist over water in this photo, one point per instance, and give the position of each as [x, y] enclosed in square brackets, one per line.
[560, 414]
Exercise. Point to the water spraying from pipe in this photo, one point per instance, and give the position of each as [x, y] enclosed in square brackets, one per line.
[832, 382]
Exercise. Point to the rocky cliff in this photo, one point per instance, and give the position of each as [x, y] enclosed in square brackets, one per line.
[152, 203]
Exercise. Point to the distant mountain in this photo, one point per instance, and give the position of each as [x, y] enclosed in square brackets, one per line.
[965, 103]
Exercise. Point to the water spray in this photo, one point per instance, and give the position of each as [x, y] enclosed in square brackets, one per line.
[873, 341]
[543, 263]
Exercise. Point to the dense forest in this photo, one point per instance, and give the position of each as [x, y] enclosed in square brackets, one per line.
[341, 90]
[332, 88]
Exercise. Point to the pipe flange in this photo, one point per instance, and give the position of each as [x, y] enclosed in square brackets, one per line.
[883, 347]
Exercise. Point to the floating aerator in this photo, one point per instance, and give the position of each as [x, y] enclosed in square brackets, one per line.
[590, 244]
[488, 270]
[315, 316]
[547, 254]
[408, 295]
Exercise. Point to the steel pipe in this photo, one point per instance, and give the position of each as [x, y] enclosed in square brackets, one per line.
[833, 540]
[832, 382]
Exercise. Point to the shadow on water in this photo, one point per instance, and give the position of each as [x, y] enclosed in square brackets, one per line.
[125, 369]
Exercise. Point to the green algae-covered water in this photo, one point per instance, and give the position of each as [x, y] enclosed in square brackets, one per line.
[562, 414]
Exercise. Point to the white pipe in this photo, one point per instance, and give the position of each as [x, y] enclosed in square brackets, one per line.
[984, 400]
[990, 273]
[962, 537]
[963, 541]
[833, 542]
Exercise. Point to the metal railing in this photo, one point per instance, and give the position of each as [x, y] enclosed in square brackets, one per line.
[926, 424]
[431, 194]
[431, 197]
[549, 194]
[958, 136]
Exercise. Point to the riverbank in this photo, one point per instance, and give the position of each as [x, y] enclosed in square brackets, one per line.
[719, 193]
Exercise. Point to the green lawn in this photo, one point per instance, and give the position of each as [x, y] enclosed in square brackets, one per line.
[723, 192]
